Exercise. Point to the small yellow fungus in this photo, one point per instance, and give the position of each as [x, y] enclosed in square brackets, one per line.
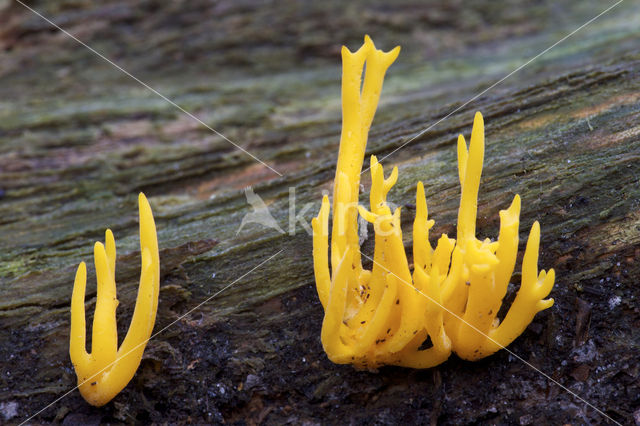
[383, 316]
[104, 372]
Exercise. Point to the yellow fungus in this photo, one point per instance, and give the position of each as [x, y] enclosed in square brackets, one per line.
[453, 295]
[104, 372]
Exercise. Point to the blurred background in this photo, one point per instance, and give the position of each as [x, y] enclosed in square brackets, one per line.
[79, 138]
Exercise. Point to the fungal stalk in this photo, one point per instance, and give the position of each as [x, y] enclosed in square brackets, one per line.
[383, 316]
[104, 372]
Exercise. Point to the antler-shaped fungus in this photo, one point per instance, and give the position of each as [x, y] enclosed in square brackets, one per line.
[383, 316]
[104, 372]
[474, 299]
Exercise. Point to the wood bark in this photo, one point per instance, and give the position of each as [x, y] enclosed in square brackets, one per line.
[79, 139]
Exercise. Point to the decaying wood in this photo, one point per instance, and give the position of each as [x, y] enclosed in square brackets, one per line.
[79, 140]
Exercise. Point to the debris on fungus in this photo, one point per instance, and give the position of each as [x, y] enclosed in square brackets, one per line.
[104, 372]
[383, 316]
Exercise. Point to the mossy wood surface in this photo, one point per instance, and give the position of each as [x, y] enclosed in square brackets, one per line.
[79, 139]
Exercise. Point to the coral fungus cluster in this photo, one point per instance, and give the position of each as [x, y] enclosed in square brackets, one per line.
[383, 316]
[107, 369]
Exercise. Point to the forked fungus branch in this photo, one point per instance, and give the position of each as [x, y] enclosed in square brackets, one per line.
[104, 372]
[384, 315]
